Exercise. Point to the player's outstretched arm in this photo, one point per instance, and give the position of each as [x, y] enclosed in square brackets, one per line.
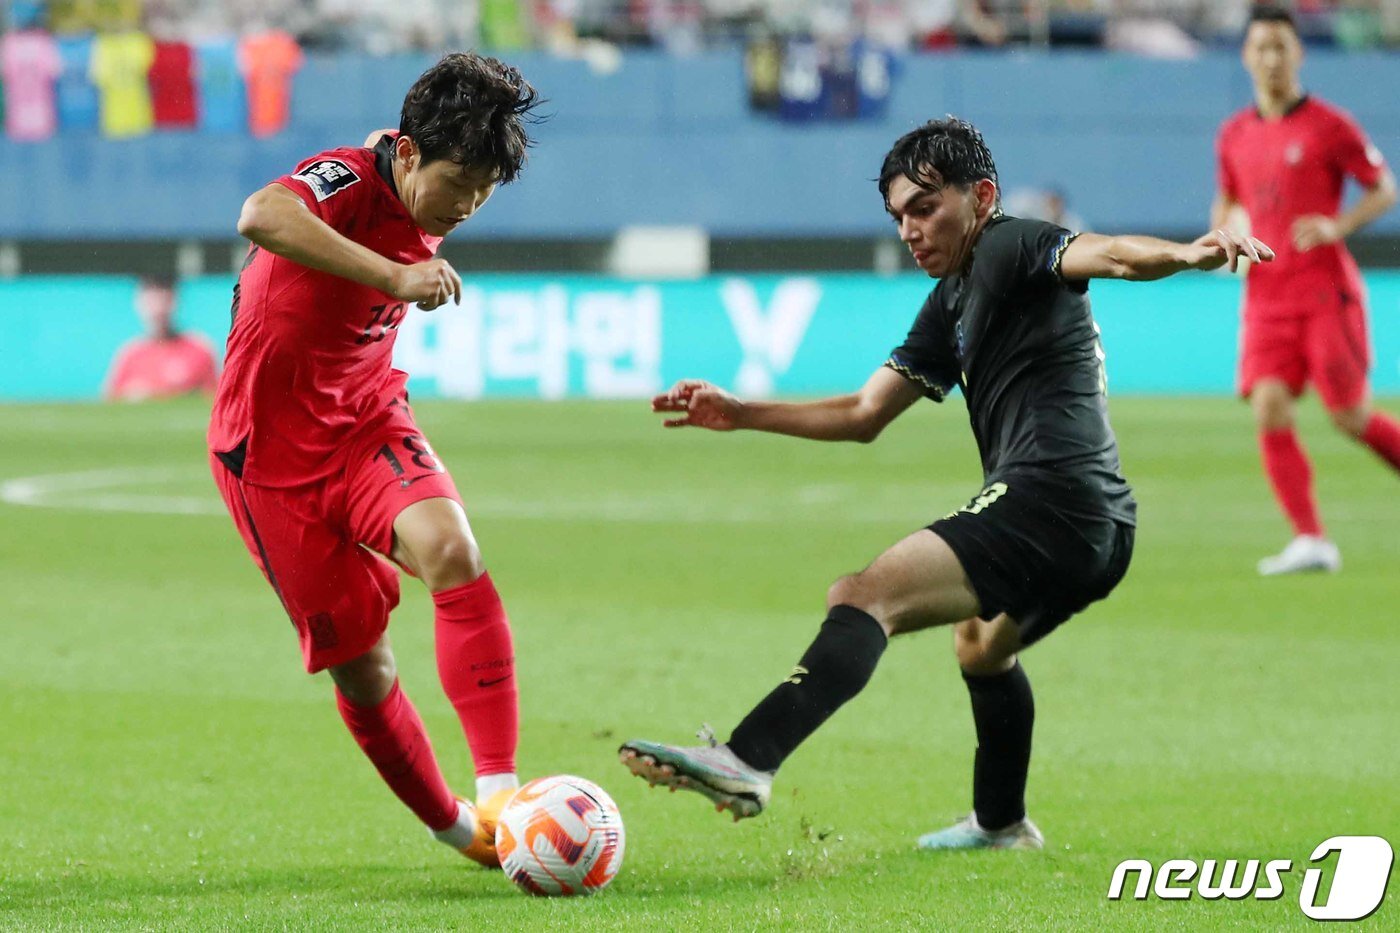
[1145, 258]
[860, 416]
[280, 222]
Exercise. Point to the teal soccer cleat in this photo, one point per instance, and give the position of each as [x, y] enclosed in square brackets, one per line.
[966, 834]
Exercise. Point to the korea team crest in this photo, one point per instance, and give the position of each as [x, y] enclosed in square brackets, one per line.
[326, 177]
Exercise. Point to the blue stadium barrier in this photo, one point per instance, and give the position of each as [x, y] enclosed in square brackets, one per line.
[581, 337]
[668, 140]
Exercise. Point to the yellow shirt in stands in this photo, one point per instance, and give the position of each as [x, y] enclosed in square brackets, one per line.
[119, 66]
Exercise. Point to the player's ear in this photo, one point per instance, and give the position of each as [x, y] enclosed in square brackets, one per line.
[986, 192]
[406, 151]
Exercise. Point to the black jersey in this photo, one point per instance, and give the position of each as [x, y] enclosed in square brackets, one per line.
[1021, 343]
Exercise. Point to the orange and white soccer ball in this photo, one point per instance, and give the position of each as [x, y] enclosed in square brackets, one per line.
[560, 835]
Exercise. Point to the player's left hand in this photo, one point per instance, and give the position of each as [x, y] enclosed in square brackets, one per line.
[704, 406]
[1313, 230]
[1224, 248]
[428, 284]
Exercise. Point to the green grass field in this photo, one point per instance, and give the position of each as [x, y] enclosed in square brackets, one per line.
[166, 764]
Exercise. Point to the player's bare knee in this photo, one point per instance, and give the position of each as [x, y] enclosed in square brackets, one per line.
[1350, 421]
[1273, 407]
[848, 591]
[1273, 415]
[967, 645]
[982, 657]
[977, 652]
[367, 680]
[450, 559]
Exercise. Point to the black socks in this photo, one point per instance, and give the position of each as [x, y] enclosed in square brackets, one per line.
[835, 668]
[838, 665]
[1004, 712]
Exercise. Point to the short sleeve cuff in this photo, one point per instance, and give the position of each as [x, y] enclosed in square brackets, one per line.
[1057, 255]
[302, 190]
[930, 388]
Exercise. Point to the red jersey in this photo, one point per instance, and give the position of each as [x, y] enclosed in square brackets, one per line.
[1280, 170]
[155, 368]
[309, 353]
[173, 98]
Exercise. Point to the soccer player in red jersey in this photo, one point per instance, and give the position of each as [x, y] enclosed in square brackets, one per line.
[315, 450]
[1285, 162]
[164, 362]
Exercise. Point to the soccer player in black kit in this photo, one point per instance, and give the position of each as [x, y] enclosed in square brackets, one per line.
[1050, 532]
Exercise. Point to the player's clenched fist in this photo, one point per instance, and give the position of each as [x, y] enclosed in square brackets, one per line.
[704, 405]
[429, 284]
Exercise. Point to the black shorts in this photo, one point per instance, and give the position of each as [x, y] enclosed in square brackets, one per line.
[1035, 555]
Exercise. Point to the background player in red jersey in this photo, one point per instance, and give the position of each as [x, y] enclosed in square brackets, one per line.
[315, 450]
[1285, 162]
[164, 362]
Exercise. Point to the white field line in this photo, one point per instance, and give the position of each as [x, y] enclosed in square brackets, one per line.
[125, 490]
[138, 490]
[109, 490]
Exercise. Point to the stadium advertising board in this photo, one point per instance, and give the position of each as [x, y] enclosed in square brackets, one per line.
[588, 337]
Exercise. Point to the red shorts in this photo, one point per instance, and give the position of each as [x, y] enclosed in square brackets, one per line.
[1324, 344]
[319, 544]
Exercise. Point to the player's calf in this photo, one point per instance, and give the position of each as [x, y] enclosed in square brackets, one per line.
[391, 735]
[476, 664]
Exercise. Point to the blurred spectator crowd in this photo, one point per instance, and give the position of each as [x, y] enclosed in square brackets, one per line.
[1157, 27]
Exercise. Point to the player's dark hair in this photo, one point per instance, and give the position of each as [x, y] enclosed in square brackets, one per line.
[472, 110]
[951, 148]
[1271, 13]
[166, 282]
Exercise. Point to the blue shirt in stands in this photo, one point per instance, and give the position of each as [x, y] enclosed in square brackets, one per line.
[223, 102]
[75, 94]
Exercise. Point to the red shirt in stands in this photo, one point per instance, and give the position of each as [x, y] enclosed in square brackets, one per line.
[161, 368]
[172, 85]
[309, 353]
[1280, 170]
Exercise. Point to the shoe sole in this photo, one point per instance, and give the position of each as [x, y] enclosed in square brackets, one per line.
[1021, 843]
[1305, 568]
[652, 766]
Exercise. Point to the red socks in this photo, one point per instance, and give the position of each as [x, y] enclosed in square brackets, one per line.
[1291, 476]
[476, 662]
[1382, 435]
[393, 738]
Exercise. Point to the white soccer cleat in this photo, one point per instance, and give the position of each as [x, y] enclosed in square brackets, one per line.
[711, 770]
[966, 834]
[1304, 553]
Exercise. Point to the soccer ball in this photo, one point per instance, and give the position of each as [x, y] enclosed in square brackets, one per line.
[560, 835]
